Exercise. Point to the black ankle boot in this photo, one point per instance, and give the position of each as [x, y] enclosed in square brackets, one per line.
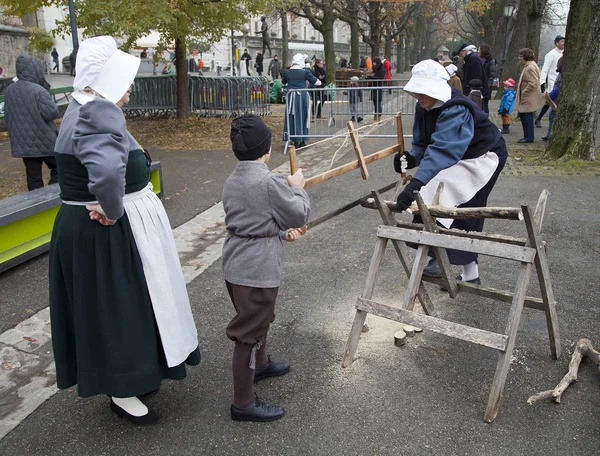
[505, 129]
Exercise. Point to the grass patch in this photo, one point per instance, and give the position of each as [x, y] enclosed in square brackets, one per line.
[534, 156]
[193, 133]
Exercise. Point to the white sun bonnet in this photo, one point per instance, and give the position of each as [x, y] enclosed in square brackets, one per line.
[299, 59]
[451, 69]
[429, 78]
[104, 68]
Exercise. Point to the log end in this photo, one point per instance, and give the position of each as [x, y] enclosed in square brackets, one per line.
[399, 338]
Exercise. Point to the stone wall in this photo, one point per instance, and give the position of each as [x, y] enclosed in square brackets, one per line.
[13, 42]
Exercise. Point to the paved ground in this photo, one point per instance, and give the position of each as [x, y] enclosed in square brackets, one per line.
[425, 398]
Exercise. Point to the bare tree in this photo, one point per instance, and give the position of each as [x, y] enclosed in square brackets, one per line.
[322, 14]
[576, 125]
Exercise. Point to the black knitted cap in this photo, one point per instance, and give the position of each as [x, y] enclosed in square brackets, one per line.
[250, 137]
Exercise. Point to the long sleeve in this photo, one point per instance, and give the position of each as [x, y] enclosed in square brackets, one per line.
[290, 205]
[453, 133]
[98, 143]
[546, 68]
[47, 107]
[418, 144]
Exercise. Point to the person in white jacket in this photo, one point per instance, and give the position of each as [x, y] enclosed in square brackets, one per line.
[548, 74]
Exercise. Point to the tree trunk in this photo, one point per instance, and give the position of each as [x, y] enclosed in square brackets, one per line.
[181, 66]
[284, 38]
[575, 127]
[534, 27]
[389, 43]
[517, 41]
[327, 32]
[355, 44]
[400, 55]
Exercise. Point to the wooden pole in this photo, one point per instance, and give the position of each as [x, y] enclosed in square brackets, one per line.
[343, 169]
[293, 160]
[359, 155]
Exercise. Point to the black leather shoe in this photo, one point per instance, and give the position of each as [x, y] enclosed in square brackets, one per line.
[259, 410]
[432, 269]
[523, 140]
[149, 418]
[271, 370]
[538, 124]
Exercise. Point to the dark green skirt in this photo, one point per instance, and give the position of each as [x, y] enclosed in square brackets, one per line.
[104, 333]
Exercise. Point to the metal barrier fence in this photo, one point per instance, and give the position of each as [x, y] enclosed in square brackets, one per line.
[208, 96]
[395, 82]
[324, 112]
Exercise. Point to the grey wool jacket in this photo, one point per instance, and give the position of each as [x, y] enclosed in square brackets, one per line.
[96, 134]
[259, 203]
[30, 111]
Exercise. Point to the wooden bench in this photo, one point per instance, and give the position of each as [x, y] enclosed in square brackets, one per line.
[26, 221]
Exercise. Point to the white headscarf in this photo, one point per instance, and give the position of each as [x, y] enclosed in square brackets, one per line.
[429, 78]
[471, 48]
[299, 60]
[105, 69]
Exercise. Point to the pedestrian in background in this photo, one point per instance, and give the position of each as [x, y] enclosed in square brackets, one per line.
[529, 94]
[548, 75]
[454, 79]
[476, 94]
[275, 67]
[354, 97]
[30, 113]
[552, 98]
[506, 104]
[378, 78]
[472, 69]
[258, 64]
[297, 104]
[73, 61]
[55, 59]
[489, 67]
[319, 97]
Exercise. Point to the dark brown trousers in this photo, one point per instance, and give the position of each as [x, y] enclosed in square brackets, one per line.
[255, 311]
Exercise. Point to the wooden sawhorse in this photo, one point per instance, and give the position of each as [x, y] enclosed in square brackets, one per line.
[527, 252]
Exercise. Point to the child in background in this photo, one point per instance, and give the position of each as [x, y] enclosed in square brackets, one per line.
[262, 209]
[475, 93]
[506, 104]
[354, 96]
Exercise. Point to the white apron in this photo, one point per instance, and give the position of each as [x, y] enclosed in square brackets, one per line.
[461, 182]
[162, 270]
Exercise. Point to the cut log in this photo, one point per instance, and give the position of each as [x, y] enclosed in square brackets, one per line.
[399, 338]
[583, 349]
[508, 213]
[409, 330]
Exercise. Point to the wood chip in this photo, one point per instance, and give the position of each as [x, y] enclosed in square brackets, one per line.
[399, 338]
[409, 330]
[417, 330]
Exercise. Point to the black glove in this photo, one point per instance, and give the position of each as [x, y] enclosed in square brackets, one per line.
[410, 161]
[543, 87]
[406, 197]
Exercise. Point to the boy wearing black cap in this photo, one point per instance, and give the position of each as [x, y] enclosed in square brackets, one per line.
[261, 210]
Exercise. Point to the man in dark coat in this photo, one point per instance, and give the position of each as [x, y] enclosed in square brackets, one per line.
[30, 113]
[275, 67]
[472, 69]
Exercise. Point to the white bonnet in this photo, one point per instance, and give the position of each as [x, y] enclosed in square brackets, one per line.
[429, 78]
[104, 68]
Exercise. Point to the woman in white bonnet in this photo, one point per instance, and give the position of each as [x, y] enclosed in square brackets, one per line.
[454, 142]
[121, 318]
[297, 104]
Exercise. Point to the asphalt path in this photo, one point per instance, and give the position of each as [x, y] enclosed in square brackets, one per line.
[425, 398]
